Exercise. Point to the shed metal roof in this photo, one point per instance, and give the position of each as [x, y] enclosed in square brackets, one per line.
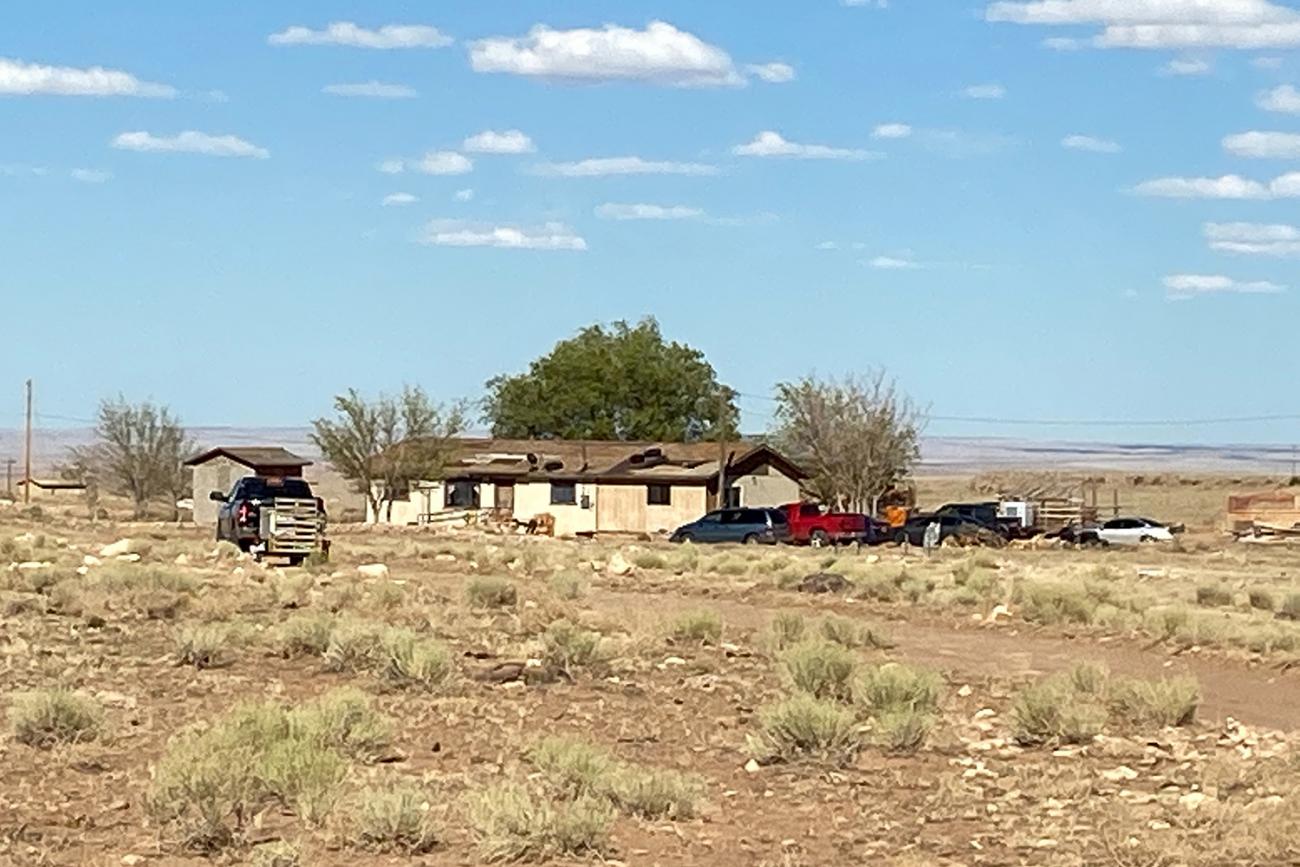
[251, 456]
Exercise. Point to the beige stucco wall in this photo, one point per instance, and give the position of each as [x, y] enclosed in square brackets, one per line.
[772, 488]
[218, 474]
[623, 509]
[534, 498]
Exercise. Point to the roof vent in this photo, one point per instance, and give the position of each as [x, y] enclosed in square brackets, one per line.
[553, 466]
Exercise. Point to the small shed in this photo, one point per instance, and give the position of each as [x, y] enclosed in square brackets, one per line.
[219, 468]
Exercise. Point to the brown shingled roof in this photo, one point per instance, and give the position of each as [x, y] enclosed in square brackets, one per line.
[251, 456]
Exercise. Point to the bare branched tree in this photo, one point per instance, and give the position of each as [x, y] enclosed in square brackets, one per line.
[385, 445]
[139, 452]
[858, 436]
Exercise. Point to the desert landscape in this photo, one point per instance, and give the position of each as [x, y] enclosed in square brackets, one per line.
[461, 698]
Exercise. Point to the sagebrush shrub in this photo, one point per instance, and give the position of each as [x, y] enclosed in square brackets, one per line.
[43, 718]
[696, 627]
[821, 669]
[395, 818]
[805, 727]
[491, 593]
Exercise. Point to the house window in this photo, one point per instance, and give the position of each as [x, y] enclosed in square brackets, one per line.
[564, 494]
[659, 495]
[462, 495]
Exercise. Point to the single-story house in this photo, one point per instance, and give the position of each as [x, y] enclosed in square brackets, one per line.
[218, 469]
[591, 487]
[50, 489]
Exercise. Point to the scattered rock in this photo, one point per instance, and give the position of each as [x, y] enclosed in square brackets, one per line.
[444, 558]
[619, 565]
[823, 582]
[752, 767]
[117, 549]
[675, 661]
[131, 860]
[1193, 801]
[32, 566]
[91, 560]
[998, 612]
[182, 559]
[128, 558]
[373, 570]
[1119, 775]
[965, 691]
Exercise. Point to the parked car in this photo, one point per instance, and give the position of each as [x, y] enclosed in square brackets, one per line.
[748, 526]
[913, 532]
[812, 524]
[990, 515]
[1133, 531]
[274, 516]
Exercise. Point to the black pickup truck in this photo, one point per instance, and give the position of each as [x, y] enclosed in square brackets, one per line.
[272, 516]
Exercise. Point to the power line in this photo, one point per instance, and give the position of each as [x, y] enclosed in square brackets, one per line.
[1048, 422]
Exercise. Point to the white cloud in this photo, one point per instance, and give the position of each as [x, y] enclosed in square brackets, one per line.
[828, 245]
[892, 130]
[460, 233]
[1226, 187]
[391, 166]
[1268, 62]
[597, 168]
[1184, 66]
[190, 142]
[512, 141]
[985, 91]
[91, 176]
[443, 163]
[647, 212]
[372, 89]
[1090, 143]
[348, 33]
[1164, 24]
[773, 144]
[1064, 43]
[18, 78]
[1284, 99]
[1181, 287]
[1264, 145]
[464, 196]
[660, 54]
[893, 263]
[12, 170]
[1253, 239]
[772, 73]
[400, 199]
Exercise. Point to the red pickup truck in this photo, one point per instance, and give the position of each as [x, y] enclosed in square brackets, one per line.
[811, 524]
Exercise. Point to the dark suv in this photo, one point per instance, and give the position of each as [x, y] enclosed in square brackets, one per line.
[749, 526]
[239, 519]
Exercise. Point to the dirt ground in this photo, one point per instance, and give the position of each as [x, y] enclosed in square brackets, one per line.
[1224, 789]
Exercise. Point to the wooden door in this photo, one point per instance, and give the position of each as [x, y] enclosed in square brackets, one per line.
[505, 497]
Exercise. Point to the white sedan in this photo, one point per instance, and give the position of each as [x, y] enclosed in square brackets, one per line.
[1133, 531]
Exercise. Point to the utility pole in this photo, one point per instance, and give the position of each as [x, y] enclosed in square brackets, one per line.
[27, 451]
[722, 450]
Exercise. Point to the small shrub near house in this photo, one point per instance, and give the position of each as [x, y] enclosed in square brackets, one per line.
[514, 823]
[394, 818]
[491, 592]
[805, 727]
[821, 669]
[1076, 706]
[696, 627]
[44, 718]
[1213, 596]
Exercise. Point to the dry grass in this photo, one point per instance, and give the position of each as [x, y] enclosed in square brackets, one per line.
[696, 627]
[821, 669]
[1076, 706]
[491, 593]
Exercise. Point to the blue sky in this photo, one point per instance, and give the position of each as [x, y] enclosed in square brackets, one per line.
[1072, 209]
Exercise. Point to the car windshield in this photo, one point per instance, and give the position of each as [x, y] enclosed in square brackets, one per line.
[778, 517]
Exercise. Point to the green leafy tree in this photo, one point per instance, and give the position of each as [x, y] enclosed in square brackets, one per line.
[383, 446]
[857, 436]
[139, 452]
[621, 382]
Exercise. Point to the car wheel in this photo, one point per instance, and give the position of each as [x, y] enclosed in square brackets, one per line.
[751, 539]
[819, 539]
[900, 538]
[1147, 540]
[683, 538]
